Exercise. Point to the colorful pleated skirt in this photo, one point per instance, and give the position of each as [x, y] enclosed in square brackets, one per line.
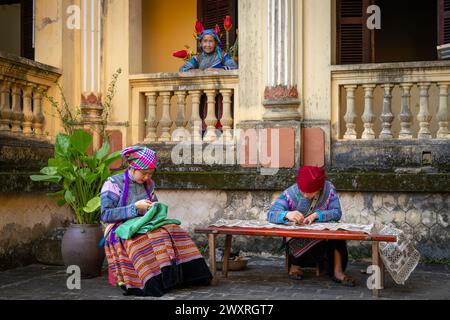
[153, 263]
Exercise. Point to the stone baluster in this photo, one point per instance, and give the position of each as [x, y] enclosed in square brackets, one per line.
[180, 121]
[5, 107]
[443, 114]
[368, 117]
[210, 119]
[227, 120]
[38, 117]
[350, 115]
[151, 123]
[424, 116]
[196, 122]
[405, 113]
[17, 114]
[387, 116]
[27, 111]
[165, 121]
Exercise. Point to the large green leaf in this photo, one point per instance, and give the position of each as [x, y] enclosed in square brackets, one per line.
[59, 163]
[59, 193]
[111, 158]
[62, 144]
[61, 202]
[69, 197]
[80, 141]
[106, 173]
[90, 161]
[54, 179]
[68, 175]
[88, 175]
[92, 205]
[102, 152]
[50, 171]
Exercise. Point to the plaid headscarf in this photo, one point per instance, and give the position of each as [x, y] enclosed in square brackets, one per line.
[139, 157]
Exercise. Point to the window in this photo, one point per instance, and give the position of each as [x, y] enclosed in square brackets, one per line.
[409, 31]
[212, 12]
[443, 22]
[16, 21]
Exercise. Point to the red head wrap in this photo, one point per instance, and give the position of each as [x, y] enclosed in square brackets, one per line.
[310, 179]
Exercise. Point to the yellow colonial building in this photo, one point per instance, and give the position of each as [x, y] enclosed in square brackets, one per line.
[358, 86]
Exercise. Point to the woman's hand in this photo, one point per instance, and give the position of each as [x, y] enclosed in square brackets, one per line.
[311, 218]
[143, 204]
[295, 216]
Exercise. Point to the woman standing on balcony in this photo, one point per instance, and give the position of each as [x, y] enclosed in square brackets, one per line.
[210, 56]
[311, 199]
[152, 263]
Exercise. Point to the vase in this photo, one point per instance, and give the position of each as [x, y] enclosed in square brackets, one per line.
[80, 248]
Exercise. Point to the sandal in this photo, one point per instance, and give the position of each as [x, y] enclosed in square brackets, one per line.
[297, 275]
[347, 281]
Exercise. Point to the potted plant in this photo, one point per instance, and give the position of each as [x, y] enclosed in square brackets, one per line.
[80, 176]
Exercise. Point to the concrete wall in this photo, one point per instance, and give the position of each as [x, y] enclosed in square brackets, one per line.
[316, 50]
[252, 44]
[167, 26]
[423, 217]
[25, 222]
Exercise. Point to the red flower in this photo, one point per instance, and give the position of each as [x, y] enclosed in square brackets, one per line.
[216, 29]
[180, 54]
[227, 23]
[199, 27]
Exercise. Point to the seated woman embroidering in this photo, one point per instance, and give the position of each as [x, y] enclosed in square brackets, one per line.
[163, 256]
[311, 199]
[210, 56]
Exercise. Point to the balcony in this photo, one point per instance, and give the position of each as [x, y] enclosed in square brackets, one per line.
[21, 103]
[391, 101]
[166, 104]
[390, 116]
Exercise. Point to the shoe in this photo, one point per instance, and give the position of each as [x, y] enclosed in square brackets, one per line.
[347, 281]
[296, 275]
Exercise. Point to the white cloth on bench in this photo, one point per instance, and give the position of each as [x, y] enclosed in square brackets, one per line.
[290, 225]
[400, 258]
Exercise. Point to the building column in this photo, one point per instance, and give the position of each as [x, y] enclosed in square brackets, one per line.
[280, 95]
[91, 68]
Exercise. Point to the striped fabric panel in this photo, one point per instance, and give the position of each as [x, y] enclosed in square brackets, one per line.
[139, 259]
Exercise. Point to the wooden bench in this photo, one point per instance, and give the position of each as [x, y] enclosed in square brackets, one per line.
[213, 231]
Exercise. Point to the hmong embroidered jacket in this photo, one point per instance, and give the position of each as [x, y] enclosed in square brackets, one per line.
[204, 61]
[328, 207]
[111, 194]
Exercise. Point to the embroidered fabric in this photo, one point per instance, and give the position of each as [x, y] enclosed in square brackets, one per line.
[400, 258]
[291, 225]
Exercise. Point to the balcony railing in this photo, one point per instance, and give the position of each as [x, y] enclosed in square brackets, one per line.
[391, 101]
[194, 101]
[21, 84]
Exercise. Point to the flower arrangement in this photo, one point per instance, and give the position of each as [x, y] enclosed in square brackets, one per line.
[188, 53]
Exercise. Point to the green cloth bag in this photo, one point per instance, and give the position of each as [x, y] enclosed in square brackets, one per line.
[155, 217]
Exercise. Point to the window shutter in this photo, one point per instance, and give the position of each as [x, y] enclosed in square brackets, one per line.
[354, 39]
[443, 21]
[27, 29]
[212, 12]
